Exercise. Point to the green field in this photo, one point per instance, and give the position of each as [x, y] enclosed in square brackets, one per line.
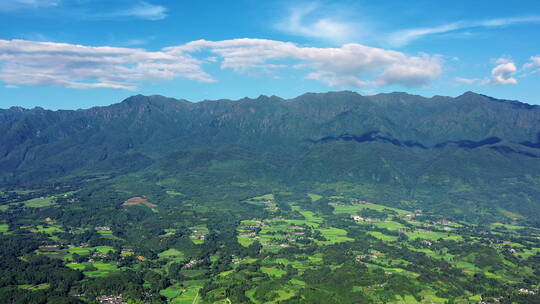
[102, 269]
[51, 229]
[314, 197]
[381, 236]
[187, 293]
[273, 271]
[108, 234]
[88, 250]
[4, 228]
[35, 287]
[40, 202]
[172, 254]
[334, 235]
[354, 209]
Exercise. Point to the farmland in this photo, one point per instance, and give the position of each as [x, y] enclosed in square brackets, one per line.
[285, 247]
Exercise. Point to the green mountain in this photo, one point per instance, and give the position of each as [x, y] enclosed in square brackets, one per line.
[471, 156]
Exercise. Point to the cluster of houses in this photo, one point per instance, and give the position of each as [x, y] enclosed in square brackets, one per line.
[358, 218]
[361, 257]
[192, 263]
[199, 234]
[270, 206]
[103, 228]
[527, 291]
[111, 299]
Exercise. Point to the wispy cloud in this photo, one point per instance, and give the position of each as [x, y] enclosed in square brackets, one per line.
[25, 62]
[533, 66]
[13, 5]
[307, 20]
[332, 23]
[403, 37]
[142, 10]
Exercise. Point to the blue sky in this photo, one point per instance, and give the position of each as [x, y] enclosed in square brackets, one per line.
[69, 54]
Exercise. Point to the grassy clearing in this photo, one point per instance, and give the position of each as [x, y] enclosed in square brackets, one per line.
[4, 207]
[35, 287]
[39, 202]
[311, 218]
[178, 294]
[433, 236]
[314, 197]
[108, 234]
[172, 254]
[382, 236]
[509, 227]
[273, 271]
[88, 250]
[4, 228]
[334, 235]
[354, 209]
[50, 230]
[394, 226]
[102, 269]
[264, 197]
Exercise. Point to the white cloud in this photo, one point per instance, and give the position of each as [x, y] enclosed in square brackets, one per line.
[403, 37]
[143, 10]
[303, 21]
[351, 65]
[78, 66]
[81, 67]
[502, 73]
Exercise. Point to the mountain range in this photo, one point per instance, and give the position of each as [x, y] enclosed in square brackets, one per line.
[470, 157]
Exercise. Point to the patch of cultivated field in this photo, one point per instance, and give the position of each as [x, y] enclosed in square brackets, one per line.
[355, 208]
[382, 236]
[172, 254]
[187, 293]
[314, 197]
[108, 234]
[334, 235]
[88, 250]
[273, 271]
[96, 269]
[40, 202]
[4, 228]
[433, 236]
[50, 229]
[35, 287]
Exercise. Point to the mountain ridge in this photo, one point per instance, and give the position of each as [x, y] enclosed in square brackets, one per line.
[401, 146]
[140, 97]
